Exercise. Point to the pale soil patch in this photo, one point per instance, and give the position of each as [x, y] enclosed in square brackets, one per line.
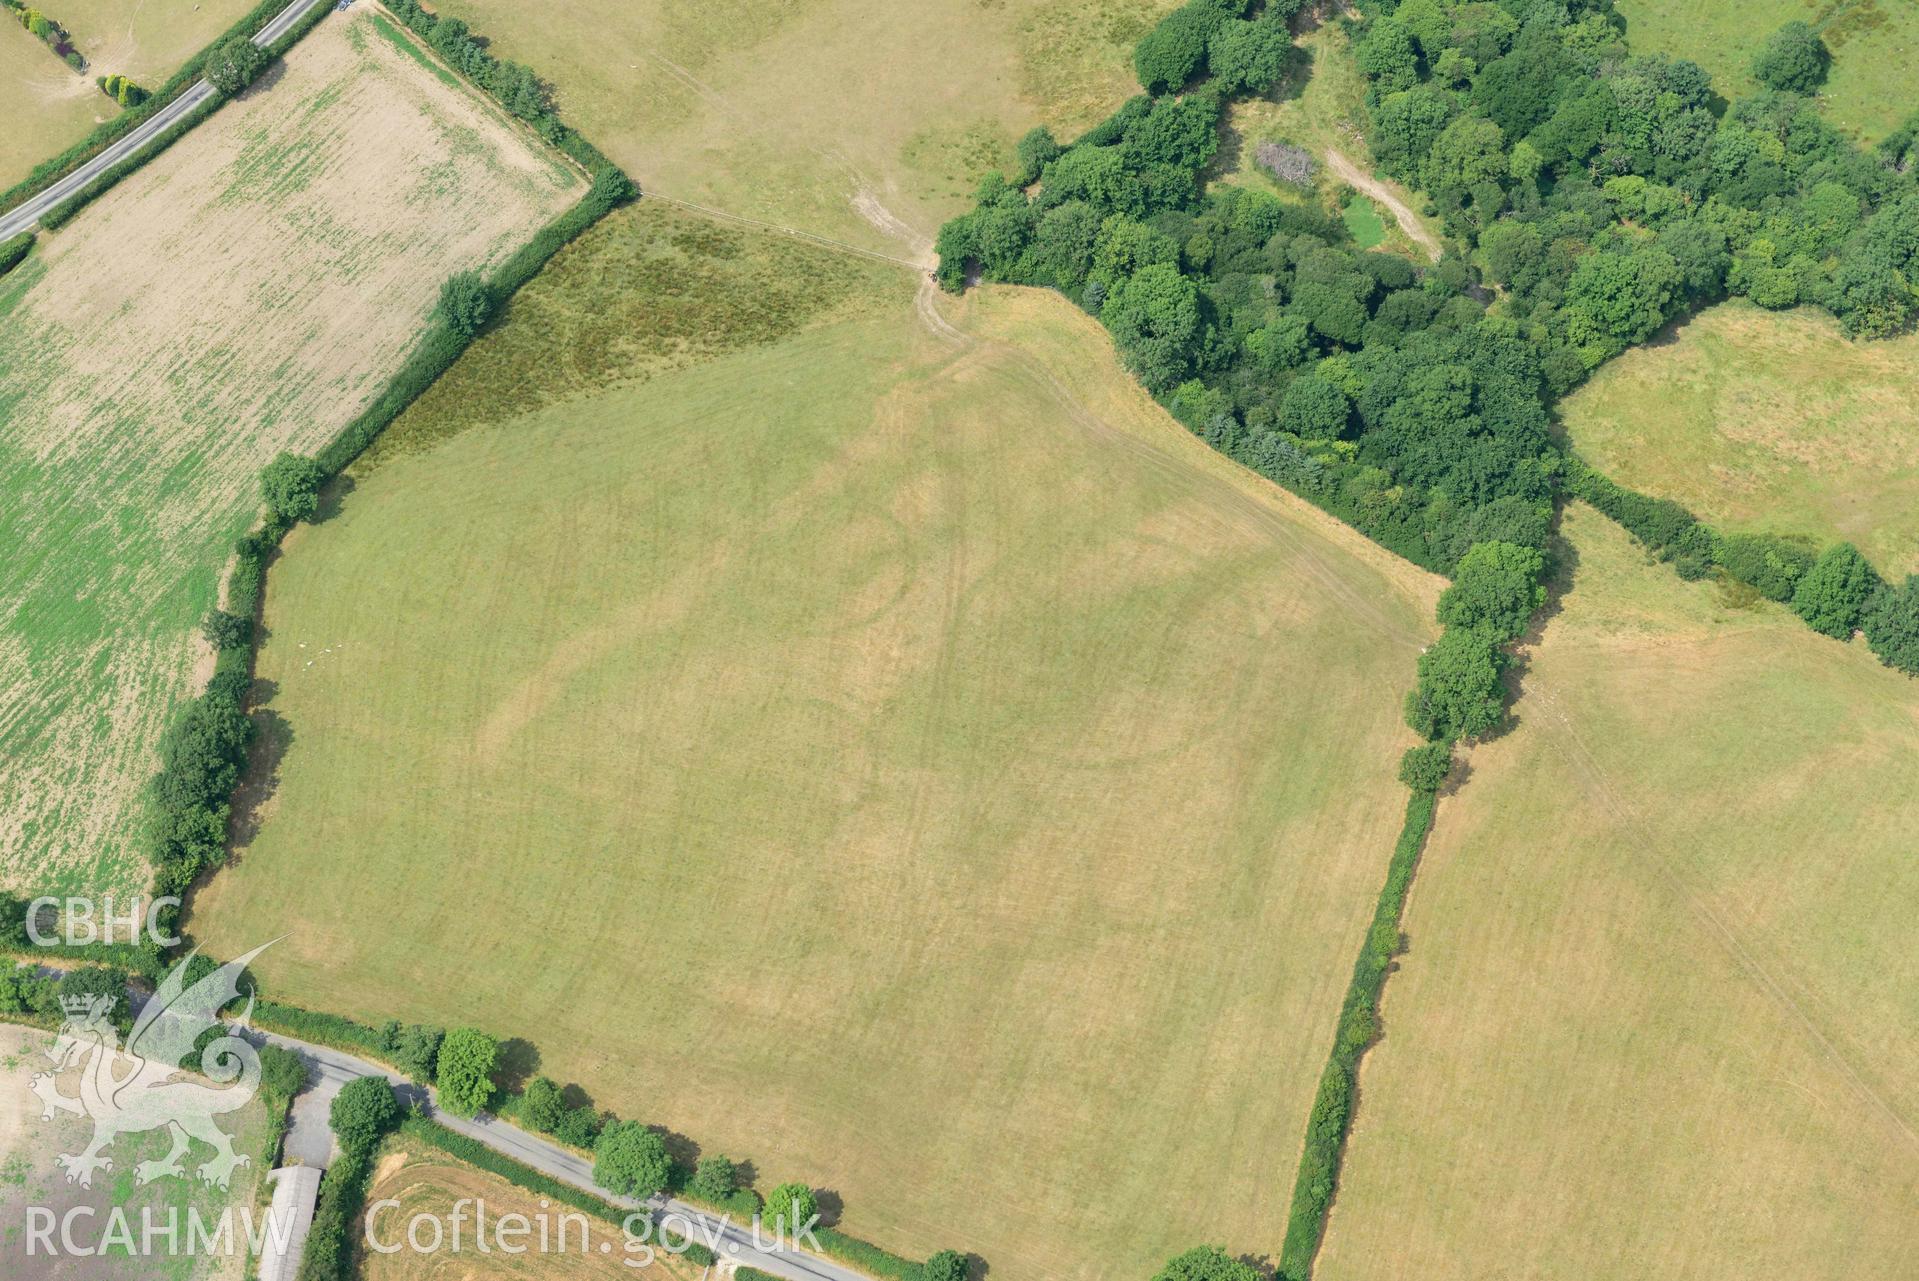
[1416, 231]
[1659, 1015]
[30, 1177]
[244, 294]
[1767, 421]
[47, 107]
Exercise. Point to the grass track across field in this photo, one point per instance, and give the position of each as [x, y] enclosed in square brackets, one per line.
[839, 732]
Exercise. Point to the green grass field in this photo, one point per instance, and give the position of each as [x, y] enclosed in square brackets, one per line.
[1762, 421]
[1659, 1013]
[243, 294]
[1873, 43]
[924, 770]
[864, 120]
[49, 107]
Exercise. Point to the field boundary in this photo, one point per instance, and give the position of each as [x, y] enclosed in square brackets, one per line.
[1330, 1121]
[104, 135]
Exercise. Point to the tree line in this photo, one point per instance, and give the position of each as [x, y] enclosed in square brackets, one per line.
[1589, 196]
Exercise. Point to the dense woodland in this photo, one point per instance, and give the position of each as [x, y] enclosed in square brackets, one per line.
[1589, 196]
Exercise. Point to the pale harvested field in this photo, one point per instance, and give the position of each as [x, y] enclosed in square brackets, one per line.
[925, 771]
[426, 1182]
[48, 107]
[1767, 421]
[244, 294]
[1660, 1012]
[790, 112]
[30, 1176]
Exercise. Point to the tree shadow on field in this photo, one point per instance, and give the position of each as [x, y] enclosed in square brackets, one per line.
[683, 1151]
[272, 740]
[1260, 1263]
[332, 496]
[519, 1060]
[274, 73]
[1562, 568]
[831, 1205]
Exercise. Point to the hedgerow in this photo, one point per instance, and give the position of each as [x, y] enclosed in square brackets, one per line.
[866, 1256]
[111, 131]
[63, 213]
[479, 1155]
[1596, 189]
[13, 251]
[1331, 1115]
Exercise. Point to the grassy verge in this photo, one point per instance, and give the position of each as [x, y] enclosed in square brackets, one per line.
[109, 132]
[1332, 1114]
[482, 1157]
[867, 1257]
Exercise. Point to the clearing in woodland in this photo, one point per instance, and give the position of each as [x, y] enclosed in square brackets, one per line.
[1659, 1012]
[48, 106]
[246, 292]
[792, 112]
[913, 763]
[1767, 422]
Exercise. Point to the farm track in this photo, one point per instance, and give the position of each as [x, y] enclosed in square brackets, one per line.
[1351, 174]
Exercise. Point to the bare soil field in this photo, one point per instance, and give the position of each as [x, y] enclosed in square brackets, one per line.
[48, 106]
[245, 293]
[30, 1177]
[1659, 1014]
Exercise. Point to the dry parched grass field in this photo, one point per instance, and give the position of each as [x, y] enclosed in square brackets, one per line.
[793, 112]
[48, 106]
[922, 769]
[1660, 1011]
[1769, 422]
[430, 1183]
[245, 293]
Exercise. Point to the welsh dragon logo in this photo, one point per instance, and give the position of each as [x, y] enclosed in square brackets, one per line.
[143, 1087]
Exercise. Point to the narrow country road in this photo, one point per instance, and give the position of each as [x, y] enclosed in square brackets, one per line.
[1353, 176]
[26, 215]
[332, 1069]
